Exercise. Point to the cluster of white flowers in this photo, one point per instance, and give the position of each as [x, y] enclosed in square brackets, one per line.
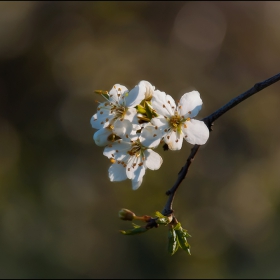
[131, 124]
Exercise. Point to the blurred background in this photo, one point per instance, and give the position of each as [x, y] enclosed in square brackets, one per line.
[58, 209]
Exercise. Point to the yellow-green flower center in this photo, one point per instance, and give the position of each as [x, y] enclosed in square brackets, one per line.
[176, 121]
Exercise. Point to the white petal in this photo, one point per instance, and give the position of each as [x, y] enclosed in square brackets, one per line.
[138, 177]
[100, 137]
[153, 160]
[150, 136]
[131, 115]
[190, 104]
[117, 172]
[171, 103]
[118, 150]
[196, 132]
[116, 93]
[136, 127]
[136, 184]
[123, 128]
[135, 96]
[160, 103]
[174, 140]
[149, 89]
[102, 118]
[94, 122]
[161, 122]
[132, 165]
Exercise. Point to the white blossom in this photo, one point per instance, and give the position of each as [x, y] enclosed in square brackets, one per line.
[119, 106]
[177, 122]
[133, 154]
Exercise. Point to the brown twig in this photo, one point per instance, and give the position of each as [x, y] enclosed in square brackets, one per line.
[209, 122]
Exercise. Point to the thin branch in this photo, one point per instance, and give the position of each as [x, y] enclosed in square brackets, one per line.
[209, 122]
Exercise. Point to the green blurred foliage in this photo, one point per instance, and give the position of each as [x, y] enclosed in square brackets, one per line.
[58, 209]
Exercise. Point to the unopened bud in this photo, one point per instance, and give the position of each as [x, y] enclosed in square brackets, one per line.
[126, 215]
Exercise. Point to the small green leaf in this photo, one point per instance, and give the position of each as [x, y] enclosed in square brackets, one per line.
[136, 230]
[148, 111]
[159, 215]
[135, 226]
[182, 239]
[186, 233]
[153, 112]
[162, 220]
[172, 242]
[178, 226]
[141, 109]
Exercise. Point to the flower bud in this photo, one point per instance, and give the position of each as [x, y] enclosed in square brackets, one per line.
[126, 215]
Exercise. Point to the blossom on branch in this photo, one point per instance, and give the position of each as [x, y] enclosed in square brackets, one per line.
[133, 153]
[119, 105]
[176, 122]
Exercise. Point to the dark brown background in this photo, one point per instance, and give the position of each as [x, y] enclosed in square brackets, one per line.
[58, 209]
